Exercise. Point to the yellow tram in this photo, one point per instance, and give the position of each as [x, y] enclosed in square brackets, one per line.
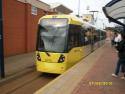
[62, 41]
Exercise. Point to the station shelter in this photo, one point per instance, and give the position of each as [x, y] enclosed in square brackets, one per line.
[114, 11]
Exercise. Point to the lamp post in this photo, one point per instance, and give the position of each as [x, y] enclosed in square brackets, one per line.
[2, 73]
[78, 8]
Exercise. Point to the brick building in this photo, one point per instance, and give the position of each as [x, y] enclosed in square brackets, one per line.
[20, 18]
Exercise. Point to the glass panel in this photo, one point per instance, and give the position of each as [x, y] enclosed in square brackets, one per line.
[54, 22]
[74, 36]
[53, 34]
[34, 10]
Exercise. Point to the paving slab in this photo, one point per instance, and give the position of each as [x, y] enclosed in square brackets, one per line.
[94, 82]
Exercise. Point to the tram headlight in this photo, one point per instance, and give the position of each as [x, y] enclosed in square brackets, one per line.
[38, 57]
[61, 59]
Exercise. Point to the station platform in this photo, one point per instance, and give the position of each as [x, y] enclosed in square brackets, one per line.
[92, 75]
[16, 65]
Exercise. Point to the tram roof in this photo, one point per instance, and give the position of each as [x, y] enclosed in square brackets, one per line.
[87, 25]
[72, 19]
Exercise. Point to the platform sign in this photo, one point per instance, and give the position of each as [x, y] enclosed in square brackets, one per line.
[2, 74]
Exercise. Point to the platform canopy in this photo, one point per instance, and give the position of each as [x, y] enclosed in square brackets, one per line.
[115, 10]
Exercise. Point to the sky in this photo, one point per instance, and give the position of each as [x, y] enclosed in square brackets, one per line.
[92, 4]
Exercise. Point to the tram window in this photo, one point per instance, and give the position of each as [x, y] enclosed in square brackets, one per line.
[98, 35]
[87, 37]
[83, 37]
[103, 35]
[39, 41]
[51, 40]
[74, 36]
[95, 36]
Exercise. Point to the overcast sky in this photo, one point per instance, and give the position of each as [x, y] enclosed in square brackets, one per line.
[92, 4]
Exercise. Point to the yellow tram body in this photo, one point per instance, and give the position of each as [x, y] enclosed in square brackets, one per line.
[59, 62]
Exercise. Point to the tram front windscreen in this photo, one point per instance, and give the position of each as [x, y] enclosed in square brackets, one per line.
[52, 35]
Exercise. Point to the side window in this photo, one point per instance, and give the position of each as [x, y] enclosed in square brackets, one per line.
[103, 35]
[34, 10]
[83, 37]
[95, 35]
[98, 35]
[74, 36]
[87, 36]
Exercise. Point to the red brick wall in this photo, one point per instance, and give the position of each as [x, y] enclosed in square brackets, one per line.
[14, 27]
[20, 27]
[32, 28]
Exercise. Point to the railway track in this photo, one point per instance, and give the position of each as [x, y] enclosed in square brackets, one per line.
[27, 83]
